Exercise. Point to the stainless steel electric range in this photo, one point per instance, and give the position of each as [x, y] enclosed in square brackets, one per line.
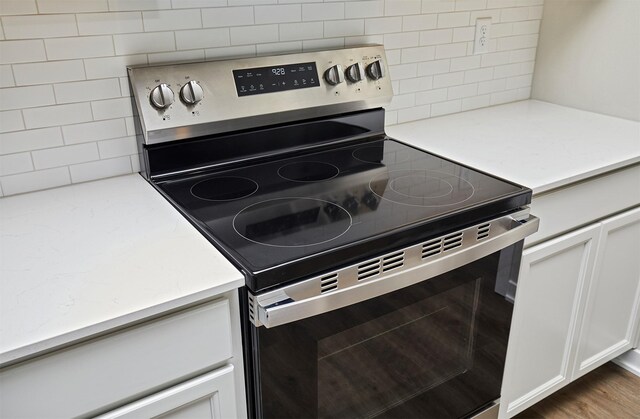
[379, 277]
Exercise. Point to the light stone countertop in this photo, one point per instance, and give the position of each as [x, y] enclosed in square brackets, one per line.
[536, 144]
[87, 258]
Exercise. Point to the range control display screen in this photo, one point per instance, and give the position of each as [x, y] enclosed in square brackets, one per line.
[255, 81]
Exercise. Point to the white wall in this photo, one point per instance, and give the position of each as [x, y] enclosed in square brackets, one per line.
[589, 56]
[65, 115]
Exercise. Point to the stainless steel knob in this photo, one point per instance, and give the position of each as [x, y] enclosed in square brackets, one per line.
[161, 96]
[334, 75]
[355, 72]
[375, 70]
[191, 93]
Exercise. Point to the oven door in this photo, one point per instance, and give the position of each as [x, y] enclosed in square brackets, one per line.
[434, 348]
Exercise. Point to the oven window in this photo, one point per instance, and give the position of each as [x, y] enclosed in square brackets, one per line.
[435, 349]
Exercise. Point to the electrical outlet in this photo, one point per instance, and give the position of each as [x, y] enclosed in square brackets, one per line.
[483, 32]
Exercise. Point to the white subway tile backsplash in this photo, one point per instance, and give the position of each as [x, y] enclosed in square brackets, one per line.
[72, 6]
[227, 16]
[109, 23]
[6, 76]
[279, 48]
[15, 142]
[117, 5]
[362, 9]
[451, 20]
[138, 43]
[202, 38]
[22, 51]
[26, 97]
[322, 11]
[65, 95]
[419, 22]
[100, 169]
[118, 147]
[176, 56]
[419, 54]
[87, 90]
[167, 20]
[11, 121]
[50, 116]
[470, 5]
[278, 14]
[301, 31]
[94, 131]
[402, 7]
[18, 7]
[48, 72]
[404, 40]
[351, 27]
[101, 68]
[80, 47]
[258, 34]
[11, 164]
[33, 181]
[112, 108]
[476, 102]
[39, 26]
[383, 25]
[64, 156]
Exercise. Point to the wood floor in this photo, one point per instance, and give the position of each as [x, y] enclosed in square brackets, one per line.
[607, 392]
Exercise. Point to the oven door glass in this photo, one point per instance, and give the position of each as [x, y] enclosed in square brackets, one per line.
[433, 349]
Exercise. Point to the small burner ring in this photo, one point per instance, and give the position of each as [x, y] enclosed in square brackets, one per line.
[308, 171]
[224, 188]
[397, 185]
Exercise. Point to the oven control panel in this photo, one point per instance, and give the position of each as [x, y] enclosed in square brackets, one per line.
[183, 101]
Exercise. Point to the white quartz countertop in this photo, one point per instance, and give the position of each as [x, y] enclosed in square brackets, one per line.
[87, 258]
[536, 144]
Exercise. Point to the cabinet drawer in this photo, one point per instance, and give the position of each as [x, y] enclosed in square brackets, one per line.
[577, 205]
[92, 377]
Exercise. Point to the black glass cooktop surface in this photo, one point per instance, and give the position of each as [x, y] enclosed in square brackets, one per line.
[292, 217]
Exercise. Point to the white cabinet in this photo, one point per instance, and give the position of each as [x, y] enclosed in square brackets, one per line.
[210, 396]
[539, 356]
[576, 308]
[608, 327]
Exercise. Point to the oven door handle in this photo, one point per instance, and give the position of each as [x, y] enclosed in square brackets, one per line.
[347, 286]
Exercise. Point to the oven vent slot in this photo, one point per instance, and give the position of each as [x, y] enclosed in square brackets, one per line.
[252, 316]
[431, 248]
[452, 241]
[483, 231]
[368, 269]
[393, 261]
[329, 283]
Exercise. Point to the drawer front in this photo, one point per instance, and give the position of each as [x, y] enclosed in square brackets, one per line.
[109, 371]
[577, 205]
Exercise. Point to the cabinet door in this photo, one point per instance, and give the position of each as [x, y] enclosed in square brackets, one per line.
[539, 355]
[210, 396]
[610, 317]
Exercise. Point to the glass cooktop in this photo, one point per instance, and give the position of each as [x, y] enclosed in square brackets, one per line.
[272, 217]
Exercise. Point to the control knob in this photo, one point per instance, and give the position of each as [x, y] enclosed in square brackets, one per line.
[191, 93]
[334, 75]
[355, 72]
[375, 70]
[161, 96]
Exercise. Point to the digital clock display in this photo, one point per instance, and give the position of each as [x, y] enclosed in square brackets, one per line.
[255, 81]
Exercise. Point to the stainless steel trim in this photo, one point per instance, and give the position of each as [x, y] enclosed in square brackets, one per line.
[353, 284]
[222, 110]
[490, 412]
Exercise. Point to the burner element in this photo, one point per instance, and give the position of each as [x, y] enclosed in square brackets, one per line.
[308, 171]
[292, 222]
[226, 188]
[423, 188]
[381, 155]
